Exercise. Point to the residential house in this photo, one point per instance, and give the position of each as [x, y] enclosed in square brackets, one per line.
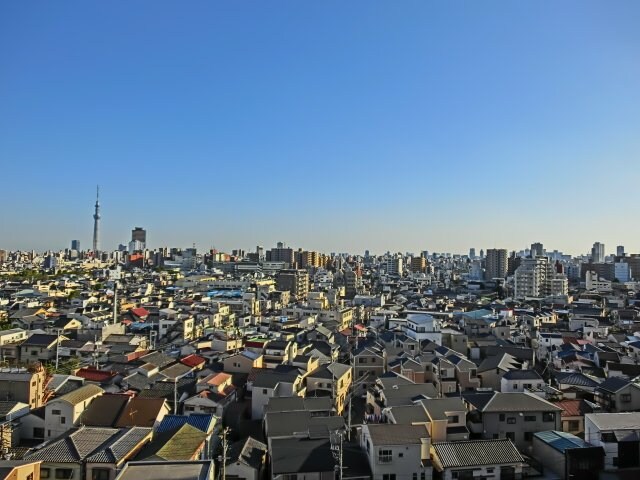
[273, 383]
[214, 394]
[63, 413]
[39, 347]
[334, 380]
[182, 443]
[397, 451]
[617, 394]
[246, 460]
[20, 470]
[617, 433]
[89, 452]
[521, 380]
[24, 384]
[243, 362]
[492, 369]
[516, 416]
[471, 459]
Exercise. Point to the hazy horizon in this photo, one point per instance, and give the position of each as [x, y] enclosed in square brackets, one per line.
[333, 126]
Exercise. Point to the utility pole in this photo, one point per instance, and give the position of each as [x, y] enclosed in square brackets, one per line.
[57, 350]
[336, 449]
[225, 449]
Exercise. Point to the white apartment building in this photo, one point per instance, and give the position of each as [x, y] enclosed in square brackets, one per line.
[536, 277]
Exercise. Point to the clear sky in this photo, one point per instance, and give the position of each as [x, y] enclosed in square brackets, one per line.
[330, 125]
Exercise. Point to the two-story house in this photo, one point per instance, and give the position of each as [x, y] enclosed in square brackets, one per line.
[516, 416]
[521, 380]
[63, 413]
[397, 452]
[617, 394]
[334, 380]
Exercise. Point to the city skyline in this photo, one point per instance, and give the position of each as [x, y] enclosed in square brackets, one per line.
[335, 127]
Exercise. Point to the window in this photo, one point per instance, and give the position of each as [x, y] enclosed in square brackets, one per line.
[501, 417]
[100, 474]
[401, 455]
[264, 391]
[362, 360]
[63, 473]
[511, 436]
[511, 420]
[453, 418]
[625, 397]
[63, 420]
[55, 412]
[385, 456]
[423, 476]
[489, 470]
[389, 476]
[574, 425]
[548, 417]
[44, 473]
[38, 432]
[529, 418]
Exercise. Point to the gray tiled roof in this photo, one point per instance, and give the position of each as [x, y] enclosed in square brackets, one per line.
[476, 452]
[518, 402]
[390, 434]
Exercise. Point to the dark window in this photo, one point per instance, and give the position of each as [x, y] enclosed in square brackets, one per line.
[453, 418]
[389, 476]
[511, 420]
[502, 417]
[548, 417]
[55, 412]
[385, 456]
[100, 474]
[529, 418]
[264, 391]
[63, 473]
[574, 425]
[44, 473]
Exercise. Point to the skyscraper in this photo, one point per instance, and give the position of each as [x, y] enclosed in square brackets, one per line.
[139, 234]
[597, 253]
[96, 222]
[496, 263]
[537, 250]
[620, 250]
[75, 245]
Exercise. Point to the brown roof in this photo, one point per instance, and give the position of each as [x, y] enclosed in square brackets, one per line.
[141, 412]
[104, 411]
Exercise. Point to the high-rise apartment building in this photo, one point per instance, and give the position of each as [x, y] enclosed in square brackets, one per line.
[597, 253]
[496, 263]
[537, 250]
[537, 277]
[395, 265]
[294, 281]
[282, 254]
[418, 264]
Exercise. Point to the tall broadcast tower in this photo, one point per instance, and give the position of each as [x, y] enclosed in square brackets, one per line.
[96, 222]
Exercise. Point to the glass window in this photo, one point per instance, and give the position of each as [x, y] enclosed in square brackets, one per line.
[529, 418]
[502, 417]
[63, 473]
[44, 473]
[100, 474]
[385, 456]
[511, 420]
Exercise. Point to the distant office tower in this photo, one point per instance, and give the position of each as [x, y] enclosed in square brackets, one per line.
[481, 253]
[597, 253]
[366, 254]
[536, 277]
[496, 263]
[472, 253]
[537, 250]
[260, 253]
[281, 254]
[139, 234]
[96, 223]
[513, 262]
[620, 251]
[633, 260]
[418, 264]
[75, 245]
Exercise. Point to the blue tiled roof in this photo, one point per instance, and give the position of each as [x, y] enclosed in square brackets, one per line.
[202, 422]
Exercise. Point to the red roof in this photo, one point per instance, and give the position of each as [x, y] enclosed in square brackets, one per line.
[192, 360]
[94, 375]
[140, 312]
[254, 344]
[570, 408]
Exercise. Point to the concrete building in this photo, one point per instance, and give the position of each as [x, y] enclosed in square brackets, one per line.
[294, 281]
[422, 326]
[64, 412]
[597, 253]
[536, 277]
[496, 263]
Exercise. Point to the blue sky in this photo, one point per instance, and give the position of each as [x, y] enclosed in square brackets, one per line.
[330, 125]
